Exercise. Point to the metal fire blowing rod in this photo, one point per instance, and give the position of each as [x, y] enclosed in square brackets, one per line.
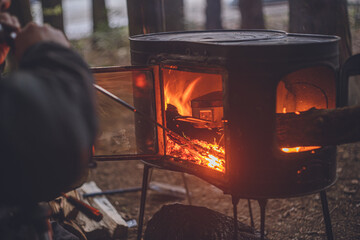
[130, 107]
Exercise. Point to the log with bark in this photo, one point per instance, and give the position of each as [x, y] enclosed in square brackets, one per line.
[319, 127]
[183, 222]
[175, 122]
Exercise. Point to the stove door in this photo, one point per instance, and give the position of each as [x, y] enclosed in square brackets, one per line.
[126, 106]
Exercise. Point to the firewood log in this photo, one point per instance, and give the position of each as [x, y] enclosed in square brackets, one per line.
[112, 226]
[189, 129]
[319, 127]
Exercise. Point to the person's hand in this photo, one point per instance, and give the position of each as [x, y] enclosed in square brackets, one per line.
[32, 34]
[10, 22]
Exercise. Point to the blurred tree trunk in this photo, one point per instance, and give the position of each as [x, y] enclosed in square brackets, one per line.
[100, 16]
[213, 14]
[173, 11]
[150, 16]
[145, 16]
[251, 14]
[21, 9]
[53, 13]
[322, 17]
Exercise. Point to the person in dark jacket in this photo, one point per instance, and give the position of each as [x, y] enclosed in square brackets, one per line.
[47, 116]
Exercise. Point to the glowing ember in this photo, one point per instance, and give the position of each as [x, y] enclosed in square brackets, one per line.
[213, 161]
[204, 158]
[299, 149]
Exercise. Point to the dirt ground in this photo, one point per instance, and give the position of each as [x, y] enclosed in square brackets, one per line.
[294, 218]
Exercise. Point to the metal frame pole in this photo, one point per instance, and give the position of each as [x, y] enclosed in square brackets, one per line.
[262, 204]
[327, 219]
[235, 201]
[251, 215]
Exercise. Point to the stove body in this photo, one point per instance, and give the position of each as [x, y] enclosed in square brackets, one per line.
[241, 80]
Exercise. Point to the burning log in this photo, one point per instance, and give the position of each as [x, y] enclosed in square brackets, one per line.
[183, 222]
[194, 139]
[319, 127]
[176, 123]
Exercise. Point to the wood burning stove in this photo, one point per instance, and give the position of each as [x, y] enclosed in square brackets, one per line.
[215, 104]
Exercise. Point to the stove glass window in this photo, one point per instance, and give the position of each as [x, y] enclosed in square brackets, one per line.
[194, 114]
[122, 132]
[303, 90]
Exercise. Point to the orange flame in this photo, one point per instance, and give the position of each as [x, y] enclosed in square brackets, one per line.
[179, 95]
[180, 87]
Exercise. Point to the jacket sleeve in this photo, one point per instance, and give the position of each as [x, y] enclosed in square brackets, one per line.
[47, 123]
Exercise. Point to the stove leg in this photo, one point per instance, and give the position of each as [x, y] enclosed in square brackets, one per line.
[143, 200]
[186, 188]
[235, 201]
[251, 215]
[326, 214]
[262, 204]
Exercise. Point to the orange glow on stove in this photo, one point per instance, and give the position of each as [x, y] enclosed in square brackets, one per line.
[140, 81]
[299, 149]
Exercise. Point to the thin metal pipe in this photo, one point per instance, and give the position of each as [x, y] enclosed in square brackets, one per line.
[113, 191]
[117, 99]
[327, 219]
